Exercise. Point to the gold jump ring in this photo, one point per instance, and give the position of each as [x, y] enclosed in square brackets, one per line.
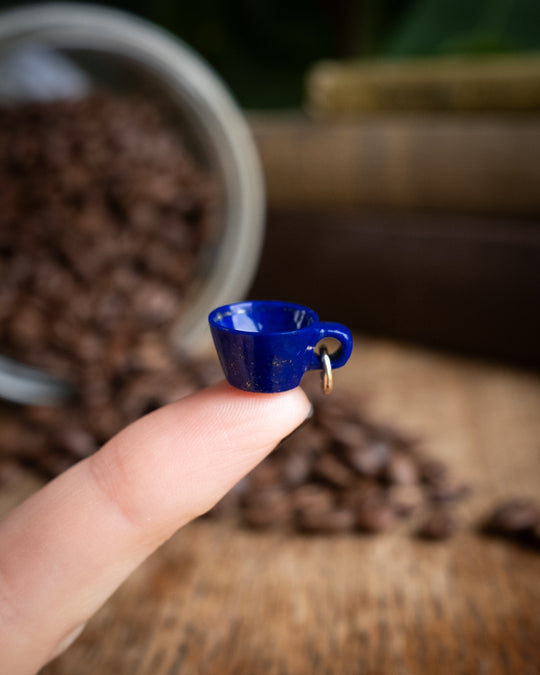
[327, 378]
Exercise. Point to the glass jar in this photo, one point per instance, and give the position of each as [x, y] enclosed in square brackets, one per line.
[58, 50]
[49, 51]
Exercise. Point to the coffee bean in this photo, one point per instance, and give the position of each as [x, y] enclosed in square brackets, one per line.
[533, 535]
[265, 475]
[331, 414]
[374, 515]
[370, 459]
[514, 516]
[448, 492]
[405, 499]
[310, 440]
[10, 472]
[296, 469]
[391, 435]
[326, 522]
[362, 490]
[312, 498]
[226, 506]
[268, 508]
[438, 525]
[329, 469]
[349, 434]
[103, 422]
[26, 326]
[432, 472]
[75, 441]
[204, 372]
[401, 469]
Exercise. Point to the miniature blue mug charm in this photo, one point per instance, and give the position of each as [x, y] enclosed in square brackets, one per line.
[266, 346]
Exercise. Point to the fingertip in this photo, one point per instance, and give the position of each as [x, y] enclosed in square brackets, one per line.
[292, 406]
[182, 458]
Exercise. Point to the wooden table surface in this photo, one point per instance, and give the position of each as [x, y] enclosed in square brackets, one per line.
[218, 600]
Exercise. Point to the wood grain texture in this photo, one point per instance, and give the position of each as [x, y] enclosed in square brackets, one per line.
[217, 600]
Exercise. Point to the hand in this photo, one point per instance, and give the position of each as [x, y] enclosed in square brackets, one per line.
[69, 546]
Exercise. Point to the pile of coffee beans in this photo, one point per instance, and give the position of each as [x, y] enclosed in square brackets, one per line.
[343, 472]
[104, 219]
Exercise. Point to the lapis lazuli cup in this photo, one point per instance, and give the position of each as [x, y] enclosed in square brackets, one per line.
[266, 346]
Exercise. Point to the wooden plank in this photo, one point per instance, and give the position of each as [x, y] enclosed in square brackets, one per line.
[219, 600]
[473, 163]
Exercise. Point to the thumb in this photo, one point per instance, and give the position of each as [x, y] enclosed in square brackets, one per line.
[67, 548]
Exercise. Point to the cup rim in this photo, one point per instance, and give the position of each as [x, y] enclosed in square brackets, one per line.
[236, 307]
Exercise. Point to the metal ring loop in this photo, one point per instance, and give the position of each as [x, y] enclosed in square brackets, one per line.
[327, 378]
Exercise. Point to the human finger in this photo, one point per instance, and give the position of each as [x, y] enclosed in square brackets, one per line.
[68, 547]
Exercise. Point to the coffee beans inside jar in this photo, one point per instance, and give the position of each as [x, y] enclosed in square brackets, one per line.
[104, 218]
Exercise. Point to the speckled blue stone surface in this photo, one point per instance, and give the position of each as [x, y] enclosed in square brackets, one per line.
[266, 346]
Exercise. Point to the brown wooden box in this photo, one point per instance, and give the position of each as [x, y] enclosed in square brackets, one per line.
[468, 283]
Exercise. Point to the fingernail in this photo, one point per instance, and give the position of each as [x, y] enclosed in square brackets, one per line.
[302, 424]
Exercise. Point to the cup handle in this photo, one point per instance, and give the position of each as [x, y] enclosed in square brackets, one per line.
[342, 334]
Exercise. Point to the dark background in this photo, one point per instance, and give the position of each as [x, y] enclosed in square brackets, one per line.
[262, 48]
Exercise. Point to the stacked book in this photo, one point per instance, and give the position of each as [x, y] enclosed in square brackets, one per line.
[450, 133]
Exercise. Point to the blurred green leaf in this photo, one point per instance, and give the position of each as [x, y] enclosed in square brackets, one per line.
[454, 27]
